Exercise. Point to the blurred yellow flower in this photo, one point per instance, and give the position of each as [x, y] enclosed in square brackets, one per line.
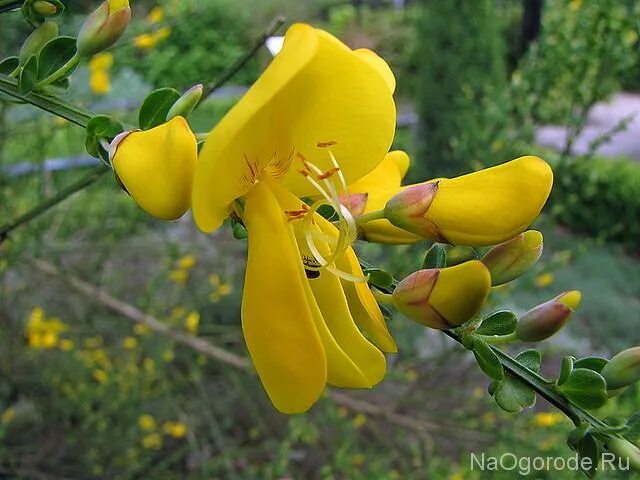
[220, 289]
[7, 416]
[155, 15]
[130, 343]
[42, 333]
[168, 355]
[175, 429]
[359, 420]
[575, 5]
[358, 459]
[66, 345]
[101, 61]
[147, 423]
[411, 375]
[100, 376]
[179, 276]
[544, 280]
[192, 322]
[547, 419]
[99, 66]
[186, 262]
[147, 41]
[141, 329]
[153, 441]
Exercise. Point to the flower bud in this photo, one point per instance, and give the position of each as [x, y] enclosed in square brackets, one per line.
[544, 320]
[103, 27]
[443, 298]
[509, 260]
[44, 8]
[623, 369]
[186, 103]
[34, 42]
[408, 208]
[156, 167]
[355, 202]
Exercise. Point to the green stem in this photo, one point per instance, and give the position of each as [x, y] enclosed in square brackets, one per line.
[497, 339]
[368, 217]
[42, 207]
[381, 297]
[62, 72]
[53, 105]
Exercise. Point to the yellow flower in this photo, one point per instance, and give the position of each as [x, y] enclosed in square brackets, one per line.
[7, 416]
[152, 441]
[141, 329]
[101, 61]
[99, 82]
[100, 376]
[320, 116]
[547, 419]
[359, 420]
[155, 15]
[168, 355]
[156, 167]
[544, 279]
[147, 423]
[66, 345]
[481, 208]
[179, 276]
[175, 429]
[42, 333]
[144, 41]
[130, 343]
[186, 262]
[192, 322]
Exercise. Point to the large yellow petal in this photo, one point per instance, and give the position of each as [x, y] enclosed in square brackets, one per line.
[277, 322]
[315, 90]
[341, 370]
[491, 205]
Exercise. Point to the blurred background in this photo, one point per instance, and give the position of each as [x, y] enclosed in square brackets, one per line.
[85, 392]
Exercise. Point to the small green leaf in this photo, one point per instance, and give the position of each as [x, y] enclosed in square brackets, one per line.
[588, 447]
[154, 108]
[502, 322]
[530, 359]
[487, 360]
[100, 127]
[591, 363]
[378, 277]
[586, 388]
[28, 75]
[565, 369]
[8, 65]
[512, 395]
[55, 54]
[436, 257]
[239, 230]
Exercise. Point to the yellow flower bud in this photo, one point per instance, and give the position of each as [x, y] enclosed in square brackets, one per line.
[156, 167]
[443, 298]
[103, 27]
[544, 320]
[623, 369]
[509, 260]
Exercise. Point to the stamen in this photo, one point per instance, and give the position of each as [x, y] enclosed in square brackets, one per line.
[330, 143]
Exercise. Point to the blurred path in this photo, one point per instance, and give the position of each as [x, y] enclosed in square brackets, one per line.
[602, 118]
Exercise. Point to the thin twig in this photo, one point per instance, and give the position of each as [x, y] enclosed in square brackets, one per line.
[46, 205]
[229, 358]
[272, 28]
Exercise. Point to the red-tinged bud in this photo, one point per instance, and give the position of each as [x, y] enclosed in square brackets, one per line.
[355, 202]
[546, 319]
[623, 369]
[408, 209]
[511, 259]
[103, 27]
[44, 8]
[443, 298]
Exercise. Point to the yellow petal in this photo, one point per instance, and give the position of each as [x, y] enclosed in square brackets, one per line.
[379, 64]
[315, 90]
[492, 205]
[115, 5]
[156, 167]
[460, 291]
[277, 322]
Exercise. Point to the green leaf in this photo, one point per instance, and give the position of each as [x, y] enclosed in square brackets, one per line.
[154, 108]
[530, 359]
[588, 447]
[378, 277]
[239, 230]
[436, 257]
[55, 54]
[28, 75]
[8, 65]
[586, 388]
[565, 369]
[591, 363]
[487, 360]
[502, 322]
[512, 395]
[100, 127]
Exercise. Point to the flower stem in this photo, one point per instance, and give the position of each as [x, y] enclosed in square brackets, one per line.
[498, 339]
[368, 217]
[381, 297]
[60, 73]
